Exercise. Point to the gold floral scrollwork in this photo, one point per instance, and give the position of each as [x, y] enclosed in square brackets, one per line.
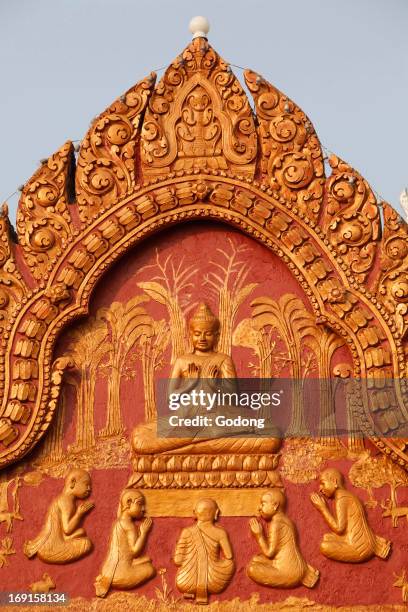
[12, 286]
[292, 160]
[43, 217]
[392, 284]
[106, 167]
[199, 118]
[351, 218]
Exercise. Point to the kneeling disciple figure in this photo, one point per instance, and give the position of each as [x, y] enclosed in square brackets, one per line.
[352, 539]
[61, 540]
[124, 566]
[281, 563]
[202, 569]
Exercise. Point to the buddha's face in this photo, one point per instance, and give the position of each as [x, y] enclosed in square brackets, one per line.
[328, 485]
[268, 506]
[204, 335]
[206, 511]
[82, 486]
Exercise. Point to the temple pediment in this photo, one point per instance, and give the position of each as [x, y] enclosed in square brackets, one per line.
[200, 237]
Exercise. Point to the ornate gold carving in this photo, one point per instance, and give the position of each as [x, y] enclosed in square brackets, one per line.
[205, 363]
[8, 515]
[280, 563]
[351, 218]
[168, 286]
[6, 549]
[228, 284]
[45, 585]
[177, 502]
[374, 472]
[203, 555]
[292, 160]
[392, 284]
[283, 235]
[62, 540]
[129, 324]
[106, 168]
[124, 566]
[43, 218]
[12, 285]
[117, 602]
[352, 540]
[293, 322]
[402, 583]
[198, 118]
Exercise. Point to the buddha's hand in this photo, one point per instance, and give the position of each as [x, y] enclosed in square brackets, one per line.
[85, 507]
[318, 501]
[193, 371]
[145, 526]
[255, 526]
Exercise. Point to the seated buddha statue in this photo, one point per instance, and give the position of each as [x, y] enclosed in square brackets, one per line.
[207, 369]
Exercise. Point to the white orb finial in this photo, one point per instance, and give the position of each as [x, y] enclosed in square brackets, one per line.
[199, 27]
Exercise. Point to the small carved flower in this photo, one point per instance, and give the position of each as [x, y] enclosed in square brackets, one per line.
[336, 294]
[58, 293]
[200, 189]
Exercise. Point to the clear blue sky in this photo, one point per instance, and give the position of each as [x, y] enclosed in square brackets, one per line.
[344, 62]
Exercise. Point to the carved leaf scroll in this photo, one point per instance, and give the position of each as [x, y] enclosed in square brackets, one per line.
[12, 286]
[43, 218]
[292, 160]
[199, 118]
[393, 277]
[107, 158]
[351, 218]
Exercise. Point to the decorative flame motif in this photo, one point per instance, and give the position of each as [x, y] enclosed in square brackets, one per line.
[106, 163]
[351, 218]
[292, 160]
[43, 219]
[393, 278]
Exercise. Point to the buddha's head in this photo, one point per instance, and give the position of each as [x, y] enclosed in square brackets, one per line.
[206, 509]
[330, 480]
[271, 502]
[132, 502]
[204, 329]
[78, 482]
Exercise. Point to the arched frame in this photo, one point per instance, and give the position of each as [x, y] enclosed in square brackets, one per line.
[338, 299]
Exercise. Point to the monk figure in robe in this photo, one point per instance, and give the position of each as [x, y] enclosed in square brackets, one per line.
[124, 566]
[202, 569]
[62, 540]
[281, 563]
[201, 368]
[352, 540]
